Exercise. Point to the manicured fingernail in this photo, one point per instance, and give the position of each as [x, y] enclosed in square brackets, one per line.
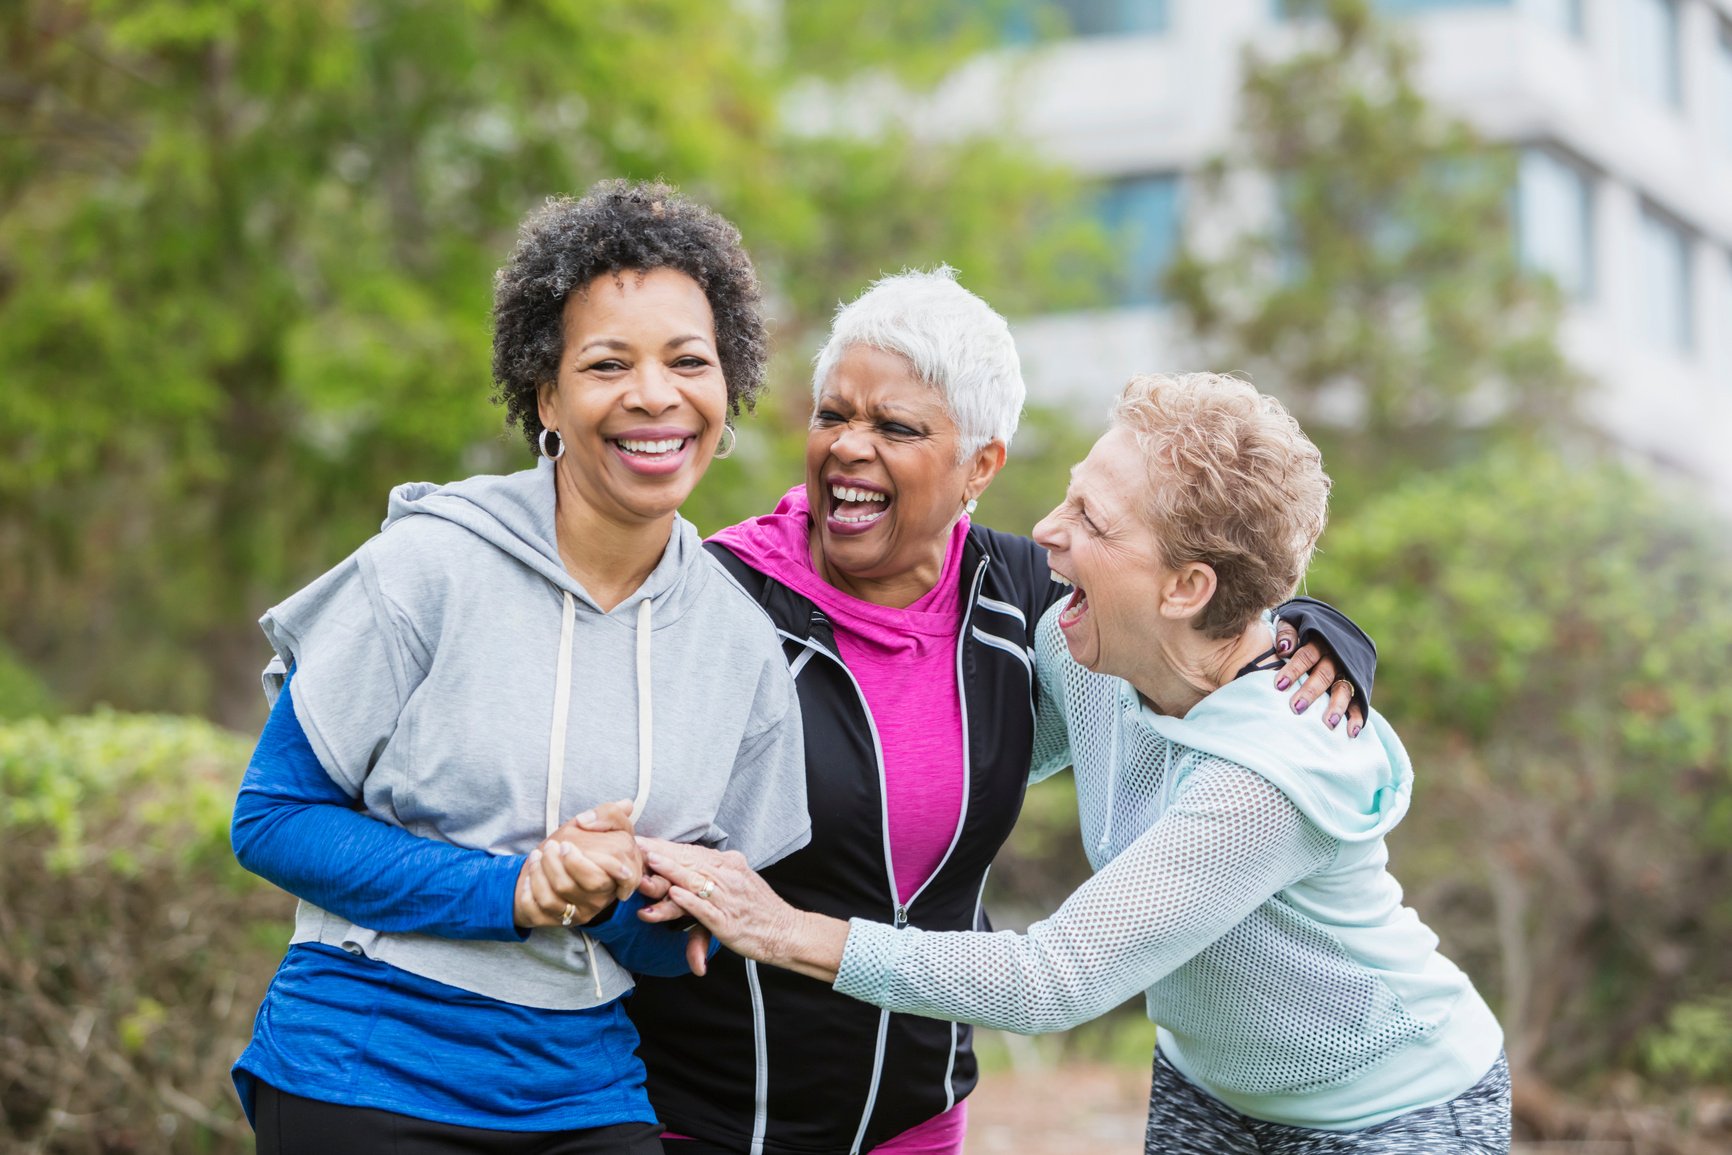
[1300, 707]
[1334, 720]
[1283, 646]
[1283, 682]
[586, 817]
[1353, 731]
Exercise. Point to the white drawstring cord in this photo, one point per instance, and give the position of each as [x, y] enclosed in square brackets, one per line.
[645, 734]
[562, 712]
[556, 748]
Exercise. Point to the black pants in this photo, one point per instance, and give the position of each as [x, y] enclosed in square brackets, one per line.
[290, 1125]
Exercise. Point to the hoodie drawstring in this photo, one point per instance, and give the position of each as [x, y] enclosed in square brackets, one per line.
[562, 712]
[644, 732]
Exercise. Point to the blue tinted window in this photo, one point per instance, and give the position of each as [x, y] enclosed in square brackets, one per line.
[1142, 216]
[1564, 16]
[1723, 85]
[1554, 221]
[1668, 305]
[1650, 39]
[1114, 17]
[1024, 20]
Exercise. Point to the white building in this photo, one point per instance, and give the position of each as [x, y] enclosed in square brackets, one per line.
[1622, 110]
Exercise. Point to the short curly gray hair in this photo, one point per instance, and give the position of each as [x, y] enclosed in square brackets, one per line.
[619, 226]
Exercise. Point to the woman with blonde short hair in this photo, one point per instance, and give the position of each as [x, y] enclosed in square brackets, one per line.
[1241, 877]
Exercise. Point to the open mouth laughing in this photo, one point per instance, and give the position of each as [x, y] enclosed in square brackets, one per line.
[1076, 608]
[855, 506]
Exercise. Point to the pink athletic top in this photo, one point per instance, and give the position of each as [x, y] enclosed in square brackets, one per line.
[939, 1135]
[905, 662]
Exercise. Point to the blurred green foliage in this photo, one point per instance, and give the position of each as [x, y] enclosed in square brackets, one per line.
[1695, 1044]
[137, 949]
[23, 694]
[246, 254]
[1553, 634]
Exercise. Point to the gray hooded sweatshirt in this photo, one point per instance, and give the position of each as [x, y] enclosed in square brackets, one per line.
[456, 681]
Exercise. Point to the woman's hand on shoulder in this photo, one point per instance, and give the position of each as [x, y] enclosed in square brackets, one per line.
[1326, 674]
[580, 870]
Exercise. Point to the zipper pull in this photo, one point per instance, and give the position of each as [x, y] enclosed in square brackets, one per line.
[901, 916]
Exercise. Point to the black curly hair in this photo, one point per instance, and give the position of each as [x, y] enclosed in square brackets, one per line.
[619, 226]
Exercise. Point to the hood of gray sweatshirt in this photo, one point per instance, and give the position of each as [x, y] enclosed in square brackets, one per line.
[459, 683]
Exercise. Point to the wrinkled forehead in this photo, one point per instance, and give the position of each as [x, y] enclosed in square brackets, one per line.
[878, 380]
[1116, 463]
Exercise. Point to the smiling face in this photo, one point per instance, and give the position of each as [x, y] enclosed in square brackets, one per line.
[883, 478]
[1098, 541]
[640, 400]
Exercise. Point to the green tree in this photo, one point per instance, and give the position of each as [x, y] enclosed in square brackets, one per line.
[246, 252]
[1553, 634]
[1382, 297]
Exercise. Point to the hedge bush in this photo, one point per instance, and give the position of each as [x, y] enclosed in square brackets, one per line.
[136, 949]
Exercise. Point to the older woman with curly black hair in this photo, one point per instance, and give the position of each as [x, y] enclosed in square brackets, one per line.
[508, 653]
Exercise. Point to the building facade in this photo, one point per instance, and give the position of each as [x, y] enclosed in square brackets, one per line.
[1622, 114]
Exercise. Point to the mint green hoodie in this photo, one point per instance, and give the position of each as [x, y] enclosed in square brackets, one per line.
[1242, 887]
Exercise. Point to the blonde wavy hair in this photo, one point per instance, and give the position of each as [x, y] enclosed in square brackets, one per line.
[1234, 483]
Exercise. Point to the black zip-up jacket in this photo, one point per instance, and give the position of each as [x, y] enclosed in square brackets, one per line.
[763, 1060]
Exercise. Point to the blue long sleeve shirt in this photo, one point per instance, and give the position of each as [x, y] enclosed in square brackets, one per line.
[345, 1029]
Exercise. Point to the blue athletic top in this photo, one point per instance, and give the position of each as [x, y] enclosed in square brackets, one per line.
[342, 1028]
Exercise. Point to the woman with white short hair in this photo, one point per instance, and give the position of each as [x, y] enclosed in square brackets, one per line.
[909, 631]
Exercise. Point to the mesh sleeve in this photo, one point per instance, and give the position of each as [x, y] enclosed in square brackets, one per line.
[1051, 734]
[1229, 842]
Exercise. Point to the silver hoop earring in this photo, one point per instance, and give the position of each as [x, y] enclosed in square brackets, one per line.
[542, 442]
[725, 446]
[971, 506]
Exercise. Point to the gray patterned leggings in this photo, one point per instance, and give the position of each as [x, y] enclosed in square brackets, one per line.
[1183, 1120]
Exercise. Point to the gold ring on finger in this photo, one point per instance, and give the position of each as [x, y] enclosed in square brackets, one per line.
[705, 888]
[570, 913]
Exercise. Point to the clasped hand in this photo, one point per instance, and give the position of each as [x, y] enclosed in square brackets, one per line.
[580, 869]
[591, 862]
[736, 904]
